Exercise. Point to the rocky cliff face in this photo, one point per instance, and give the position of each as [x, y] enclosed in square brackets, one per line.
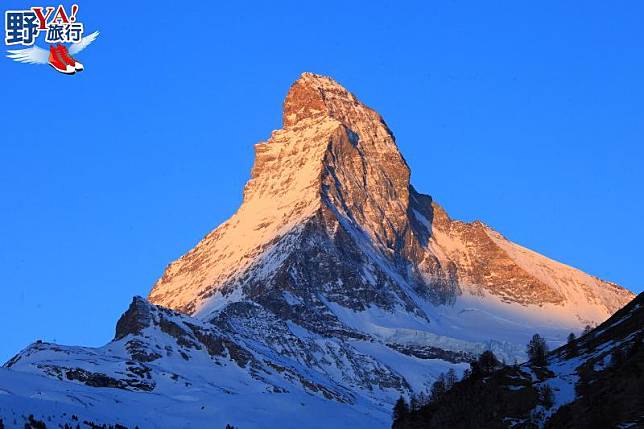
[329, 212]
[334, 162]
[336, 285]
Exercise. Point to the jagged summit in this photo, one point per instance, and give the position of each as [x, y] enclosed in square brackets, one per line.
[334, 174]
[334, 158]
[315, 95]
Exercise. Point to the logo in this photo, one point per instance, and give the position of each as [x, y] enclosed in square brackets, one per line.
[62, 31]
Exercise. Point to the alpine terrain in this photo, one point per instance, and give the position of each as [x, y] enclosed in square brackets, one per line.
[596, 381]
[334, 289]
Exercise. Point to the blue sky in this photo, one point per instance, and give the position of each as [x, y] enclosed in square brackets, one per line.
[526, 116]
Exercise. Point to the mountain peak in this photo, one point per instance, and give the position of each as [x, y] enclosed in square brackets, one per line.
[314, 95]
[317, 96]
[363, 177]
[332, 187]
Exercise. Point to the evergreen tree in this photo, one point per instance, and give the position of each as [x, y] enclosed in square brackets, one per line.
[438, 388]
[546, 396]
[487, 362]
[571, 338]
[587, 330]
[401, 410]
[537, 350]
[450, 379]
[572, 344]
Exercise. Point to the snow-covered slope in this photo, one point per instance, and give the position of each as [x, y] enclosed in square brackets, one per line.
[166, 370]
[596, 381]
[335, 283]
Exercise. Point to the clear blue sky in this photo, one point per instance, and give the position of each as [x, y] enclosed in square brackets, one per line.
[528, 117]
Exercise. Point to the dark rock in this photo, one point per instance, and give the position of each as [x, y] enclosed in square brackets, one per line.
[135, 319]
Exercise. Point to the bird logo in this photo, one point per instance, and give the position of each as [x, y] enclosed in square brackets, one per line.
[59, 56]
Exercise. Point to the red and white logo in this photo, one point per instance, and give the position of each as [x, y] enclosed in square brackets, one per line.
[61, 30]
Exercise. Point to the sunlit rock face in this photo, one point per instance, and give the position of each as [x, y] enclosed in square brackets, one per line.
[329, 214]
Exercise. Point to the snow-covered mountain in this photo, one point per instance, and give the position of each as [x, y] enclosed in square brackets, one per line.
[333, 289]
[331, 236]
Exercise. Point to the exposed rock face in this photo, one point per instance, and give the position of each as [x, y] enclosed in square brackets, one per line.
[329, 212]
[134, 320]
[335, 161]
